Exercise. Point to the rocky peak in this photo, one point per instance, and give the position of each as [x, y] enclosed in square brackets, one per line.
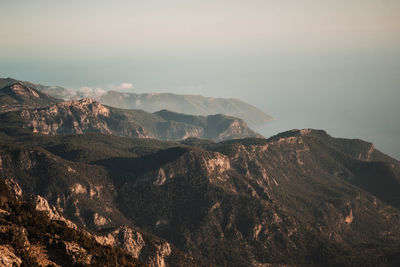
[17, 96]
[85, 106]
[13, 187]
[20, 90]
[151, 250]
[41, 204]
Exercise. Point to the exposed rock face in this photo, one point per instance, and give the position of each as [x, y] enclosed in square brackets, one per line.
[77, 254]
[14, 187]
[153, 251]
[41, 204]
[77, 117]
[298, 197]
[124, 237]
[21, 91]
[8, 258]
[29, 237]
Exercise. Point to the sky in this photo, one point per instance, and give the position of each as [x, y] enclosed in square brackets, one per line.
[332, 65]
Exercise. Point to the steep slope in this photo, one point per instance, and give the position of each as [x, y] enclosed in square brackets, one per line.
[152, 102]
[29, 237]
[214, 127]
[300, 197]
[18, 96]
[86, 115]
[85, 193]
[54, 91]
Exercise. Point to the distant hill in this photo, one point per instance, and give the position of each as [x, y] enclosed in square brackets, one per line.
[27, 109]
[151, 102]
[188, 104]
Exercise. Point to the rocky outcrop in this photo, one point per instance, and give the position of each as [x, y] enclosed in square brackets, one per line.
[41, 204]
[29, 237]
[151, 250]
[8, 257]
[78, 254]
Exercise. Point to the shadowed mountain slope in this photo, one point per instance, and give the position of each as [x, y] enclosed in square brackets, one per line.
[301, 197]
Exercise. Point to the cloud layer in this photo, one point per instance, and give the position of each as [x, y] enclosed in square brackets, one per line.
[122, 86]
[89, 92]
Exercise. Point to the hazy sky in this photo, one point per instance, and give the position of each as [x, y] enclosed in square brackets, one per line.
[324, 64]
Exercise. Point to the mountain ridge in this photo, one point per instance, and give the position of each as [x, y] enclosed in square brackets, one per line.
[46, 115]
[152, 102]
[258, 201]
[18, 96]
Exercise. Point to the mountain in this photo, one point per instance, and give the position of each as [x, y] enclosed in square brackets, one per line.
[299, 198]
[152, 102]
[57, 92]
[214, 127]
[18, 96]
[188, 104]
[86, 115]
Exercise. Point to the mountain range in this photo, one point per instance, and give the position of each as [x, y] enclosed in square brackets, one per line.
[152, 102]
[25, 108]
[299, 198]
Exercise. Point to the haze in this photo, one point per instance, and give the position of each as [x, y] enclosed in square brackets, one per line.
[332, 65]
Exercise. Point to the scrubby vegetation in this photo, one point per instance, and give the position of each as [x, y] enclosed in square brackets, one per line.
[22, 226]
